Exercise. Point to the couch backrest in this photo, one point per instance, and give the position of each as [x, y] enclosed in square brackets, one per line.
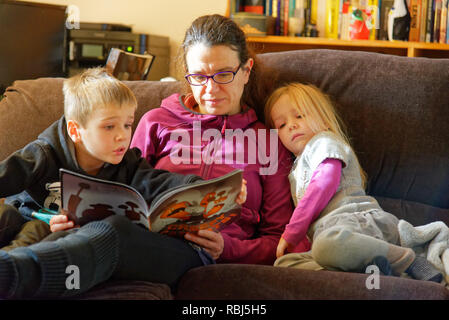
[30, 106]
[396, 110]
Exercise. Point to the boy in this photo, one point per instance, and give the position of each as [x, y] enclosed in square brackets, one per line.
[91, 138]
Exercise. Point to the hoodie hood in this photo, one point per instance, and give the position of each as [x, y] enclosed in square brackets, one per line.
[178, 104]
[57, 137]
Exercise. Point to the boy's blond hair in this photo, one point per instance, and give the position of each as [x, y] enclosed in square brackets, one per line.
[317, 109]
[94, 88]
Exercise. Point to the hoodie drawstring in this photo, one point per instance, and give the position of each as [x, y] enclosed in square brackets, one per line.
[224, 125]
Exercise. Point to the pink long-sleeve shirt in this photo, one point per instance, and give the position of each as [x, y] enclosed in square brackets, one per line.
[323, 186]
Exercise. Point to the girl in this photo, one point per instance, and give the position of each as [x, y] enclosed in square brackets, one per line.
[348, 229]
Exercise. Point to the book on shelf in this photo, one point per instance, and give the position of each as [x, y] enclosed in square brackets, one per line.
[332, 15]
[443, 23]
[207, 204]
[373, 13]
[423, 20]
[333, 18]
[430, 20]
[447, 25]
[415, 21]
[437, 21]
[385, 7]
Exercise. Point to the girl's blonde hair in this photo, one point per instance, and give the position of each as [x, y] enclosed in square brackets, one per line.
[94, 88]
[316, 108]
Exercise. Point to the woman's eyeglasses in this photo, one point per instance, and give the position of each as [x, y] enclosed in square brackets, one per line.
[223, 77]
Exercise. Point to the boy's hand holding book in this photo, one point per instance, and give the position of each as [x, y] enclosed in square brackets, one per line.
[61, 222]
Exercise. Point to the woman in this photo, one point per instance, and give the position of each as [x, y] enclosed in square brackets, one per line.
[195, 133]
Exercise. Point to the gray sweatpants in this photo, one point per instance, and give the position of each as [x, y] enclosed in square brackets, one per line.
[349, 241]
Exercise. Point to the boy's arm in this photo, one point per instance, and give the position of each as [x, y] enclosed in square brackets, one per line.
[150, 182]
[21, 169]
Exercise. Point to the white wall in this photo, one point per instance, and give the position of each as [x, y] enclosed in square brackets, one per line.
[160, 17]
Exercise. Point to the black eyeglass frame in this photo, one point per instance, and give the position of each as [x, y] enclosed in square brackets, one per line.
[212, 77]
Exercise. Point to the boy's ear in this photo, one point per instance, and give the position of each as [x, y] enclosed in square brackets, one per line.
[73, 131]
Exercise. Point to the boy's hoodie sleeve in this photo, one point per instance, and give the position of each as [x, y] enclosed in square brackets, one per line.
[150, 182]
[22, 169]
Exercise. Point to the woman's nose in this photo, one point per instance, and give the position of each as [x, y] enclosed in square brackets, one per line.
[210, 85]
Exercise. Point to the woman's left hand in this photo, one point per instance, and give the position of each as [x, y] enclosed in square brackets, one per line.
[241, 198]
[209, 240]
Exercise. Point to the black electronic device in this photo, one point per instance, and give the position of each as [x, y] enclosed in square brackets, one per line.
[33, 41]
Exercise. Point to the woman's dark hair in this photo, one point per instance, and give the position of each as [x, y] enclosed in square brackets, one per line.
[212, 30]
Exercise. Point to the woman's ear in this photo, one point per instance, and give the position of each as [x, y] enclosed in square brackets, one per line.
[73, 131]
[249, 65]
[247, 68]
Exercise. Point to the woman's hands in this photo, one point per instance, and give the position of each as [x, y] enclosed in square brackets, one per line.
[61, 222]
[209, 240]
[212, 242]
[241, 198]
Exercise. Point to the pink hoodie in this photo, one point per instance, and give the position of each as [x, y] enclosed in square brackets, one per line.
[168, 141]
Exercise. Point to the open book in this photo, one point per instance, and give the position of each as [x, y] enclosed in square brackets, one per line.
[201, 205]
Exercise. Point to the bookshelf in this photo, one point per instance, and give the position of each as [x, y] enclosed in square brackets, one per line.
[400, 48]
[274, 43]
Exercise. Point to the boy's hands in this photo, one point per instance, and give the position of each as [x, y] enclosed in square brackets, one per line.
[241, 198]
[282, 246]
[61, 222]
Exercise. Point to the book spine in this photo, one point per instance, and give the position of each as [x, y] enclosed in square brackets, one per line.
[374, 9]
[423, 17]
[291, 8]
[385, 8]
[277, 16]
[443, 24]
[321, 18]
[332, 12]
[447, 27]
[314, 12]
[286, 16]
[437, 21]
[430, 17]
[237, 6]
[344, 20]
[414, 28]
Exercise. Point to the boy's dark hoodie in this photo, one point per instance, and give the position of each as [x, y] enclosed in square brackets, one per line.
[27, 175]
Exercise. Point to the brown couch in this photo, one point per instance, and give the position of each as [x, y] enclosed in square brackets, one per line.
[397, 112]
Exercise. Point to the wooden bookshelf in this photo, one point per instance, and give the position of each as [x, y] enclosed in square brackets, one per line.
[400, 48]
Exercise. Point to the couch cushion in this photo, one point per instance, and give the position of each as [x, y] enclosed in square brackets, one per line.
[396, 111]
[256, 282]
[128, 290]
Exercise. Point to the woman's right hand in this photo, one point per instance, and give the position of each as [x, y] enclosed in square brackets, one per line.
[60, 222]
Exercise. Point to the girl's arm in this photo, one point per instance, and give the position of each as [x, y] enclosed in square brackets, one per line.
[322, 187]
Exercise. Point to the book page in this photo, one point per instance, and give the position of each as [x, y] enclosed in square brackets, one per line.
[208, 205]
[87, 199]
